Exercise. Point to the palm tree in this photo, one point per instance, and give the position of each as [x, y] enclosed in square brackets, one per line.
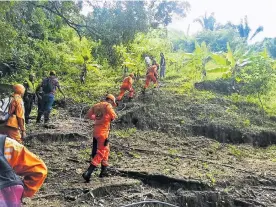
[258, 30]
[207, 22]
[244, 29]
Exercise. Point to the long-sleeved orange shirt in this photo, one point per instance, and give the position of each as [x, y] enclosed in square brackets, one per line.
[16, 109]
[104, 113]
[152, 71]
[127, 83]
[25, 164]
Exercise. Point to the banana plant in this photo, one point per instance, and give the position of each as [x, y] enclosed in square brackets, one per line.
[198, 59]
[229, 64]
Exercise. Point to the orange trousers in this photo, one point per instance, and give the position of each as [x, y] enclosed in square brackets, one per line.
[150, 78]
[11, 132]
[123, 90]
[102, 152]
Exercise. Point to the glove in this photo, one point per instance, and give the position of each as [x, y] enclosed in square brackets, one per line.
[106, 142]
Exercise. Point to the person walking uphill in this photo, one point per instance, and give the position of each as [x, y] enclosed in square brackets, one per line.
[151, 76]
[15, 125]
[16, 160]
[103, 114]
[49, 86]
[162, 65]
[29, 96]
[127, 86]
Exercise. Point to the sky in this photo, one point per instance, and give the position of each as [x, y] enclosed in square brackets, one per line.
[259, 13]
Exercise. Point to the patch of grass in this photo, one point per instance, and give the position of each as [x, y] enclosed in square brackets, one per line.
[172, 151]
[135, 155]
[237, 152]
[246, 123]
[84, 154]
[124, 133]
[211, 178]
[214, 147]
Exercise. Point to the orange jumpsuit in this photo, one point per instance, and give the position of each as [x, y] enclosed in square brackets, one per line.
[27, 165]
[104, 114]
[151, 76]
[126, 86]
[16, 123]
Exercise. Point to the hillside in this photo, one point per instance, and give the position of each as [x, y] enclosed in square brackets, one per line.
[181, 149]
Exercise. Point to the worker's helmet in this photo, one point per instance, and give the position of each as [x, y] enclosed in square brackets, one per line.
[52, 72]
[112, 98]
[19, 89]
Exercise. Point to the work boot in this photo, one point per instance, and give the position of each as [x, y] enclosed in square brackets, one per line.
[38, 118]
[46, 117]
[104, 172]
[87, 175]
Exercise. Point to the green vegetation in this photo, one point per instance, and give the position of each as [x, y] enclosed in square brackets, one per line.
[42, 36]
[124, 133]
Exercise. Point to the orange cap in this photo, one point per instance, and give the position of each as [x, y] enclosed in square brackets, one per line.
[19, 89]
[112, 98]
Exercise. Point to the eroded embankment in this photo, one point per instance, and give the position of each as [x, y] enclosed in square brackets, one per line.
[181, 116]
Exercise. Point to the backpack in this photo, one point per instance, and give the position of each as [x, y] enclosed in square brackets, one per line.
[4, 108]
[48, 86]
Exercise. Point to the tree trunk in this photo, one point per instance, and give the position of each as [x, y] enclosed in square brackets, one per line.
[263, 111]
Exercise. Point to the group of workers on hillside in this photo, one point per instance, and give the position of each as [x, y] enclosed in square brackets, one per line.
[16, 160]
[103, 114]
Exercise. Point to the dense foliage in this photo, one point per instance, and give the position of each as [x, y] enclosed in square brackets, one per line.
[48, 35]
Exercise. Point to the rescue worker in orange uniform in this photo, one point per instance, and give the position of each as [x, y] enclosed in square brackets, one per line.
[151, 76]
[16, 160]
[15, 125]
[127, 86]
[103, 114]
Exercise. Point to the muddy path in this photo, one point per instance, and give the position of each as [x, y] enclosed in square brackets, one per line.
[150, 165]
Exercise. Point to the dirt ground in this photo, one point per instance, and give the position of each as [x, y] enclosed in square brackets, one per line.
[148, 164]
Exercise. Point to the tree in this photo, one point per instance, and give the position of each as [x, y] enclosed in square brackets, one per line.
[259, 76]
[207, 22]
[163, 11]
[217, 40]
[270, 44]
[244, 29]
[120, 21]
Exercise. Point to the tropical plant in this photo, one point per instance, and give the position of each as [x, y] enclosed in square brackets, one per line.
[207, 22]
[244, 29]
[197, 60]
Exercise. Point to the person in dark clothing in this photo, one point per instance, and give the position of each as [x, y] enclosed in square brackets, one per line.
[162, 66]
[49, 86]
[29, 96]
